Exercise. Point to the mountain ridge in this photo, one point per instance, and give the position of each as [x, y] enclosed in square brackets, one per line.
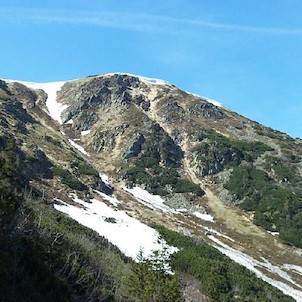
[168, 143]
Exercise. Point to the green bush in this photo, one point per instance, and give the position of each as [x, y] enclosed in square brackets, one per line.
[68, 179]
[276, 208]
[60, 172]
[221, 278]
[53, 141]
[87, 169]
[283, 172]
[187, 186]
[156, 166]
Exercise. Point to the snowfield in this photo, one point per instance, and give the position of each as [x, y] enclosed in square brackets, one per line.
[80, 148]
[127, 233]
[149, 200]
[156, 202]
[205, 217]
[289, 288]
[54, 108]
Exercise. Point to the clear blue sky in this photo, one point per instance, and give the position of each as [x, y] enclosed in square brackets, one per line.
[247, 54]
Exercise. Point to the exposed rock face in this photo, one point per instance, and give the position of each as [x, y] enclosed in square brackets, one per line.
[142, 102]
[96, 93]
[135, 146]
[161, 138]
[177, 136]
[207, 110]
[85, 120]
[25, 94]
[174, 113]
[16, 109]
[182, 201]
[3, 87]
[38, 165]
[215, 157]
[104, 141]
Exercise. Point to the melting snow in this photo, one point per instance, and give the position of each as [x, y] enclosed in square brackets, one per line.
[216, 103]
[217, 233]
[127, 233]
[142, 79]
[251, 264]
[105, 180]
[80, 148]
[153, 81]
[295, 268]
[112, 199]
[183, 210]
[206, 217]
[273, 233]
[149, 200]
[85, 132]
[54, 108]
[213, 102]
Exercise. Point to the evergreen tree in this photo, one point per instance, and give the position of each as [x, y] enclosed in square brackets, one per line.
[150, 281]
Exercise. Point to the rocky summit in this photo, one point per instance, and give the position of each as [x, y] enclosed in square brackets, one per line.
[118, 187]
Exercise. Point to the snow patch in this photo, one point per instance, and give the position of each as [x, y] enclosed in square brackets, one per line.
[80, 148]
[85, 132]
[151, 201]
[105, 180]
[295, 268]
[127, 233]
[212, 231]
[184, 210]
[274, 233]
[141, 78]
[206, 217]
[215, 103]
[54, 108]
[252, 264]
[112, 199]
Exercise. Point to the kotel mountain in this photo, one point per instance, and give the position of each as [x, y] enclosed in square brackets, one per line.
[95, 171]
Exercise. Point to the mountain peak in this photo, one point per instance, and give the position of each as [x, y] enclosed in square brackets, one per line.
[121, 153]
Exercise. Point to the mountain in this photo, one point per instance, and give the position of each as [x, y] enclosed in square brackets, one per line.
[101, 171]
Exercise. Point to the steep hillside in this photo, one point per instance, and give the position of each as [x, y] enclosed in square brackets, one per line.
[119, 153]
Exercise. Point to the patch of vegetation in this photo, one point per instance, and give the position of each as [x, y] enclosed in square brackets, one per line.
[149, 280]
[217, 151]
[53, 141]
[156, 169]
[276, 208]
[269, 132]
[222, 279]
[4, 96]
[68, 179]
[283, 172]
[87, 169]
[158, 180]
[12, 180]
[110, 219]
[251, 150]
[46, 256]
